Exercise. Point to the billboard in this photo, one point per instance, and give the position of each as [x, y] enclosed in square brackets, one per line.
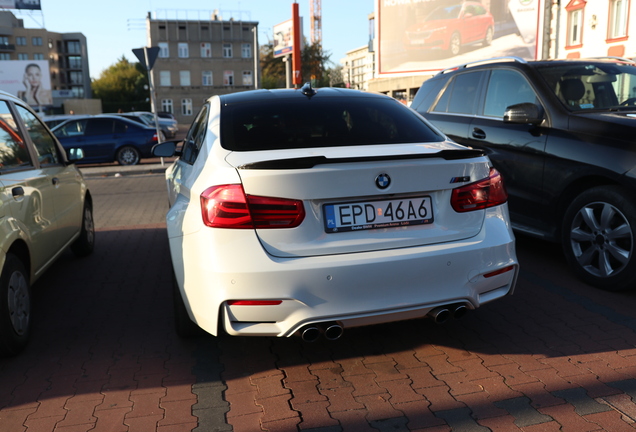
[29, 80]
[20, 4]
[430, 35]
[284, 38]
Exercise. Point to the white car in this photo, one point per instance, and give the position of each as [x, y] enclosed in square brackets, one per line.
[45, 208]
[312, 210]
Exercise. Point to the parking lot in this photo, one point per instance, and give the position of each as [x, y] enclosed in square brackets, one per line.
[557, 355]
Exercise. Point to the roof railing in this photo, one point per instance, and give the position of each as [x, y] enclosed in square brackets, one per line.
[486, 61]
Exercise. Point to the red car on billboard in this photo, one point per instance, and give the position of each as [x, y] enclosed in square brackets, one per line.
[450, 27]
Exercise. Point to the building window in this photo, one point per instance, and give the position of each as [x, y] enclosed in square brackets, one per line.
[247, 78]
[5, 56]
[228, 78]
[164, 78]
[78, 92]
[183, 50]
[227, 50]
[23, 56]
[164, 51]
[74, 62]
[20, 40]
[186, 107]
[575, 23]
[246, 50]
[206, 49]
[4, 40]
[618, 19]
[75, 77]
[184, 78]
[38, 56]
[166, 105]
[36, 41]
[73, 47]
[206, 78]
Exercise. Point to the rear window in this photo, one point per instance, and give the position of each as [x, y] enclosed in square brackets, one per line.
[329, 122]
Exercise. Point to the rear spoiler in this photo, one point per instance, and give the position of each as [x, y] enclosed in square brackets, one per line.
[312, 161]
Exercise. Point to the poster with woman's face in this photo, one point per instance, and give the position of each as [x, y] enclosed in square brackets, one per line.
[29, 80]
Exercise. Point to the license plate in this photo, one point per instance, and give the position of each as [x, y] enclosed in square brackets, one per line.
[366, 215]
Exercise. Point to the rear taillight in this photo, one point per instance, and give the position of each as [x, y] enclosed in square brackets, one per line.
[227, 206]
[154, 138]
[484, 193]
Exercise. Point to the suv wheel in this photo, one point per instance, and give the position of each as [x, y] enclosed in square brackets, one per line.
[15, 306]
[128, 156]
[598, 238]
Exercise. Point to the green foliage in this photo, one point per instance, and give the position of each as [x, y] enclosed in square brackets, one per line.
[313, 67]
[121, 86]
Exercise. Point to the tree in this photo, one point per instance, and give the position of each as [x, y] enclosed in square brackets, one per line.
[313, 67]
[123, 86]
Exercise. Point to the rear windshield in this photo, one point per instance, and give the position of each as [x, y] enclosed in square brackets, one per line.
[328, 122]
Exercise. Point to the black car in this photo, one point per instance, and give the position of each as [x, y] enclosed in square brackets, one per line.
[562, 133]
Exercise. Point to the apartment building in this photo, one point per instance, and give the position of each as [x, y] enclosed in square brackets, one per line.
[201, 58]
[358, 68]
[65, 53]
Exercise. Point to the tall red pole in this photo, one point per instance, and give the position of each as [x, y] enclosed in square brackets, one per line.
[296, 77]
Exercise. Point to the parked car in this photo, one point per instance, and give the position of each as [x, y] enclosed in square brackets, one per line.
[167, 115]
[561, 133]
[309, 211]
[53, 120]
[450, 27]
[169, 127]
[45, 207]
[108, 138]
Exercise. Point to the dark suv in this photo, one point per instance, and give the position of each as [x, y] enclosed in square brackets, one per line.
[563, 134]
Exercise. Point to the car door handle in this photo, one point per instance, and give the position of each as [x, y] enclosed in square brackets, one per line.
[17, 192]
[479, 134]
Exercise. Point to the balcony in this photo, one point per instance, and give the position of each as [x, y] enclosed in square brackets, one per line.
[7, 47]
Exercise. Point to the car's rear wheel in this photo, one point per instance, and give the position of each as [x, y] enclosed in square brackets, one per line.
[599, 238]
[455, 44]
[128, 156]
[15, 306]
[183, 325]
[489, 36]
[85, 243]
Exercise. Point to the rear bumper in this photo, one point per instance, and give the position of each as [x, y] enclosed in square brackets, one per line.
[354, 289]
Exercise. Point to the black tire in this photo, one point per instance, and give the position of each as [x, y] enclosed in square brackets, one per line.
[15, 307]
[128, 155]
[455, 44]
[85, 243]
[183, 325]
[598, 238]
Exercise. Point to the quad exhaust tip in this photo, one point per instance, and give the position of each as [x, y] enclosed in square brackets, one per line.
[312, 332]
[443, 313]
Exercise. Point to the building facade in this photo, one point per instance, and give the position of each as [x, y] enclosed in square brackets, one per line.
[201, 58]
[358, 68]
[65, 53]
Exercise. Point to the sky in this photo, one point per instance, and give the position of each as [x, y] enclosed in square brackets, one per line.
[114, 28]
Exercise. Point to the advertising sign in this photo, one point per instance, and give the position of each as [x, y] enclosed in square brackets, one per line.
[29, 80]
[430, 35]
[283, 38]
[20, 4]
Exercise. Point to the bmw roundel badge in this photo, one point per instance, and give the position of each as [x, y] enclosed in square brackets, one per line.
[383, 181]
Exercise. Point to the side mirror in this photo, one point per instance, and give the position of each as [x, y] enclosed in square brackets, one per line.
[166, 149]
[523, 113]
[75, 154]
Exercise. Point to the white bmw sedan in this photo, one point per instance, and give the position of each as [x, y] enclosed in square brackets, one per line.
[312, 210]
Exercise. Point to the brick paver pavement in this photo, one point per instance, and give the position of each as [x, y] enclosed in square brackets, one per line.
[556, 356]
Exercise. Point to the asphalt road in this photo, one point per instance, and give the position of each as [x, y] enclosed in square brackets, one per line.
[557, 355]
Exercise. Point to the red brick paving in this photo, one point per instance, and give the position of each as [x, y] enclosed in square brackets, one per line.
[116, 365]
